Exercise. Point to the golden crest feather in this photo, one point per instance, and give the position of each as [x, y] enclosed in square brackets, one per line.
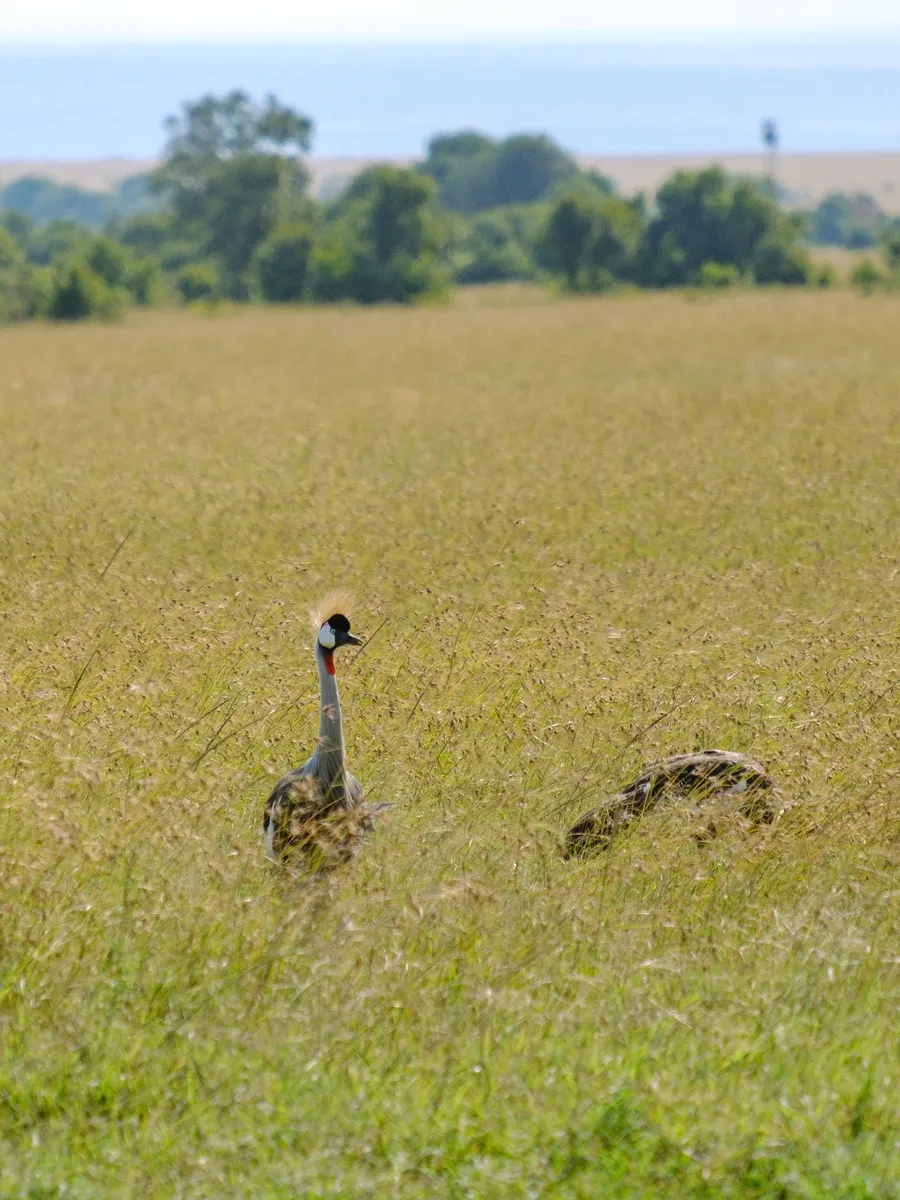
[337, 601]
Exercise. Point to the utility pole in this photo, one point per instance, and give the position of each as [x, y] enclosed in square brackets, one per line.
[771, 139]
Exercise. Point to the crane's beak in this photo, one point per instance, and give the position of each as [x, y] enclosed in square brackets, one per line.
[350, 639]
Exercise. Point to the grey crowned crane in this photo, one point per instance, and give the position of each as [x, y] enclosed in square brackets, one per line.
[317, 810]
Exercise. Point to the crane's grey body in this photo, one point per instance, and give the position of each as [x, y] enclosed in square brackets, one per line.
[318, 800]
[705, 778]
[318, 807]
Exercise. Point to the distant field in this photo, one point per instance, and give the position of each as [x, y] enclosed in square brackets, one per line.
[581, 534]
[808, 177]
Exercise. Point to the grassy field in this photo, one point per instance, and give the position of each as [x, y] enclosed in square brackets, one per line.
[581, 534]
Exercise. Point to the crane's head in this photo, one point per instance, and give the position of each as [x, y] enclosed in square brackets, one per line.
[335, 631]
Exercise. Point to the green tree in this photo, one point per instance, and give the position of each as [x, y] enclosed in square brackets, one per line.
[614, 241]
[522, 169]
[447, 152]
[563, 247]
[387, 244]
[707, 216]
[475, 173]
[282, 263]
[232, 172]
[591, 239]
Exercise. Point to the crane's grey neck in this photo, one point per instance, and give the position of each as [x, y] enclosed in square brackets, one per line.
[330, 750]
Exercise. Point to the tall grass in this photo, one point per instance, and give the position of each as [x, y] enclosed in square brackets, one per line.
[581, 534]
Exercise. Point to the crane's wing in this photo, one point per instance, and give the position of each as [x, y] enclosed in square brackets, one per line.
[281, 792]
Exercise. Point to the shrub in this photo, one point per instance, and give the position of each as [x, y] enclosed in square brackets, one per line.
[198, 281]
[777, 261]
[78, 293]
[866, 276]
[824, 275]
[719, 275]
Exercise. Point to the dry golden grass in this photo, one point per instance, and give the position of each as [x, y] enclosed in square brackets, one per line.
[581, 534]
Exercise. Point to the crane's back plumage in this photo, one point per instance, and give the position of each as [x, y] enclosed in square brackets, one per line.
[706, 779]
[325, 827]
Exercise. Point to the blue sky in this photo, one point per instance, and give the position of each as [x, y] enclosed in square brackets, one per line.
[40, 20]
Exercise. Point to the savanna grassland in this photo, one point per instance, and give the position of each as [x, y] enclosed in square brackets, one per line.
[581, 534]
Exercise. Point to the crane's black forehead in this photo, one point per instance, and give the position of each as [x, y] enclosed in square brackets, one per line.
[339, 623]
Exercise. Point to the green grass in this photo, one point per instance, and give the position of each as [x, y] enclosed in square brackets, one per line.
[581, 535]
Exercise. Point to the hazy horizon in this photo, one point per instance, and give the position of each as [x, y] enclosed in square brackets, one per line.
[386, 98]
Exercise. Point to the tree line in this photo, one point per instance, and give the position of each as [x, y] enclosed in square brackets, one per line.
[228, 215]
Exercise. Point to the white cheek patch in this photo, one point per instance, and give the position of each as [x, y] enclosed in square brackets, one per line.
[326, 637]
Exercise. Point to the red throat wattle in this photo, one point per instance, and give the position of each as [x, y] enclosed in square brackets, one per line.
[329, 661]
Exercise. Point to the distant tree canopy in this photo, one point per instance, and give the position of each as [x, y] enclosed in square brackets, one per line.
[227, 216]
[385, 244]
[43, 200]
[498, 245]
[705, 216]
[232, 171]
[709, 217]
[843, 220]
[282, 263]
[707, 228]
[592, 240]
[474, 173]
